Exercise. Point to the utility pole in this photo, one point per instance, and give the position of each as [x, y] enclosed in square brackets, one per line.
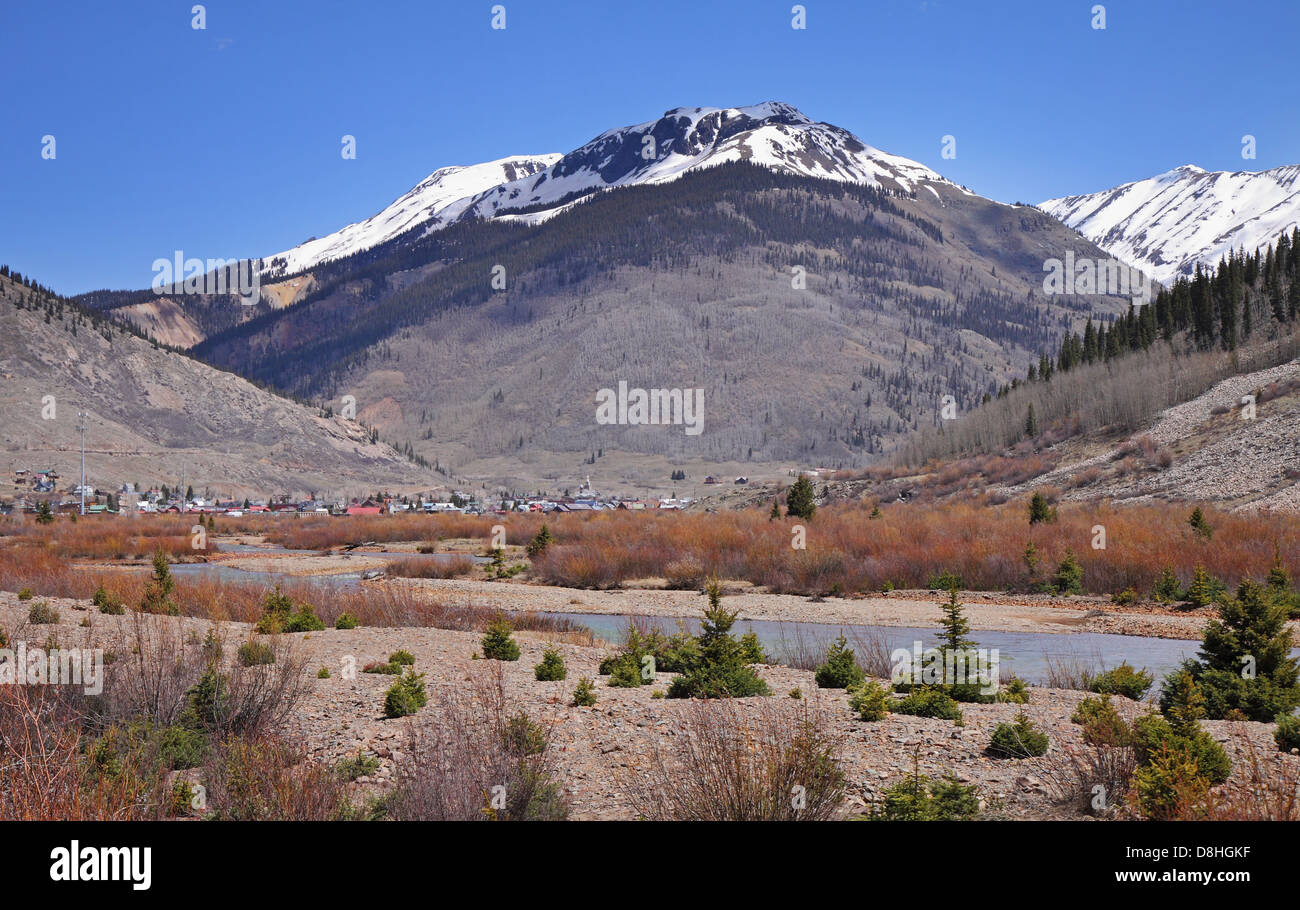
[81, 416]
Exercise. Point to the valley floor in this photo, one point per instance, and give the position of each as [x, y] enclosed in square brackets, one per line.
[601, 753]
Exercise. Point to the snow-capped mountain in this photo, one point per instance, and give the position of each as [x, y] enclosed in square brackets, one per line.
[433, 195]
[1168, 223]
[685, 139]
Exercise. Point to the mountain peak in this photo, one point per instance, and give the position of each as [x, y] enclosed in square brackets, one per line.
[773, 134]
[1167, 224]
[766, 110]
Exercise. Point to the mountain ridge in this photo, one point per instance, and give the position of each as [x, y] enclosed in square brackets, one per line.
[1169, 223]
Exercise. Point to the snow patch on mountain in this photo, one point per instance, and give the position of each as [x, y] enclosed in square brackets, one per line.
[773, 134]
[441, 189]
[532, 189]
[1166, 224]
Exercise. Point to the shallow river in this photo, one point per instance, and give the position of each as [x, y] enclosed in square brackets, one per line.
[1027, 654]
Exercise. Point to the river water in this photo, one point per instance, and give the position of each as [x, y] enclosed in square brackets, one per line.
[1026, 654]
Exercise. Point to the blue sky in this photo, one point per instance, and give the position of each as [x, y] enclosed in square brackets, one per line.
[225, 142]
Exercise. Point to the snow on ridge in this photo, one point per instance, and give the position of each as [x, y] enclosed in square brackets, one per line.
[1168, 223]
[685, 139]
[772, 133]
[443, 188]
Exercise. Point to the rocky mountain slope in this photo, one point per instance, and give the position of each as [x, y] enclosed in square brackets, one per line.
[152, 414]
[1166, 224]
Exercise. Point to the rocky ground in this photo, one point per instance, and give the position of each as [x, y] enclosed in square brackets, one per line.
[1221, 453]
[600, 750]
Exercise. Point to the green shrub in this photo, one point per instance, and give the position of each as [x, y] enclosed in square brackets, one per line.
[1205, 589]
[719, 681]
[721, 669]
[1021, 739]
[945, 581]
[41, 613]
[107, 603]
[1069, 575]
[1152, 733]
[386, 667]
[158, 592]
[523, 736]
[402, 658]
[497, 643]
[279, 615]
[354, 766]
[25, 594]
[1102, 725]
[181, 748]
[796, 693]
[406, 695]
[181, 798]
[1200, 525]
[928, 701]
[254, 653]
[1122, 680]
[1040, 510]
[1170, 783]
[1287, 734]
[800, 501]
[207, 701]
[751, 652]
[540, 542]
[323, 673]
[1167, 589]
[677, 653]
[551, 669]
[1249, 633]
[1126, 598]
[346, 621]
[921, 799]
[1016, 692]
[625, 675]
[871, 701]
[144, 744]
[212, 649]
[305, 620]
[840, 670]
[584, 696]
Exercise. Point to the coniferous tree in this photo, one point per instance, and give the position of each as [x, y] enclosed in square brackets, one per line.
[799, 502]
[1244, 667]
[1200, 525]
[1039, 510]
[954, 624]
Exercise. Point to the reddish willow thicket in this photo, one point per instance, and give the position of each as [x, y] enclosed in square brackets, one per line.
[845, 550]
[908, 545]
